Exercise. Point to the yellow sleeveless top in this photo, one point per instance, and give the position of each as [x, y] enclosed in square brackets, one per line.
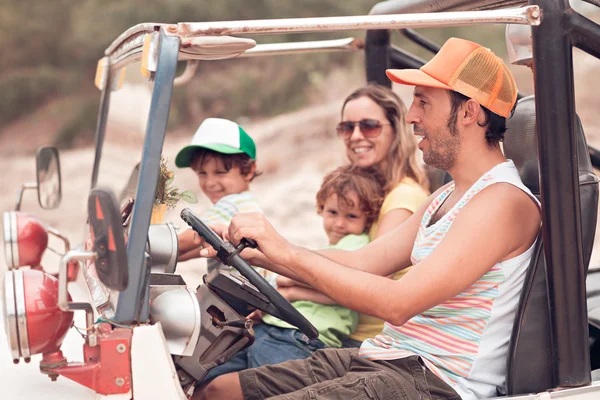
[408, 195]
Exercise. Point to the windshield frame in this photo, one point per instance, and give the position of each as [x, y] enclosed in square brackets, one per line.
[130, 307]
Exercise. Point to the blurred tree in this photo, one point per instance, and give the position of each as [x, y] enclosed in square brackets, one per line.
[50, 50]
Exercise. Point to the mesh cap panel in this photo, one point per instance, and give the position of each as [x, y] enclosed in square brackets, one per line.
[485, 78]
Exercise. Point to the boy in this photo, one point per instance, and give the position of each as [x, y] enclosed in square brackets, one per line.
[223, 156]
[348, 200]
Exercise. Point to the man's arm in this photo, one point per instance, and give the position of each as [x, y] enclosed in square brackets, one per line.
[465, 254]
[383, 256]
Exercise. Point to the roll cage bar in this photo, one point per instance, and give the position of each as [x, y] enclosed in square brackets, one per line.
[556, 28]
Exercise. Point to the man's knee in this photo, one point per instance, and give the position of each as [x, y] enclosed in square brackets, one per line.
[223, 387]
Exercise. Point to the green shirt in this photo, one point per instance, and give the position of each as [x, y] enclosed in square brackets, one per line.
[334, 323]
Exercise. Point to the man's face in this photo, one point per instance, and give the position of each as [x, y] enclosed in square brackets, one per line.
[430, 115]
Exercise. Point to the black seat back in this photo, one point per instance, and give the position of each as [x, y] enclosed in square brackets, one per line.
[530, 350]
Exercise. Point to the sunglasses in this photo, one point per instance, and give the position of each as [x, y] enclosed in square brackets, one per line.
[369, 128]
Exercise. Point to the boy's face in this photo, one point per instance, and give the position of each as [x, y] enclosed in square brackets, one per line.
[216, 182]
[339, 219]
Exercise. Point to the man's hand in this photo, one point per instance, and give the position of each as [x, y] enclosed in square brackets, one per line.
[270, 242]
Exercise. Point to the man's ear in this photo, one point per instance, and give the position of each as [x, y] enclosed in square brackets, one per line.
[470, 112]
[250, 175]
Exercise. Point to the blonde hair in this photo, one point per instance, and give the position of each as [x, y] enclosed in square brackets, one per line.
[402, 156]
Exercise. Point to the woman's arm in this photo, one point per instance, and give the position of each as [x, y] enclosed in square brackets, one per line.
[284, 281]
[296, 293]
[391, 220]
[399, 205]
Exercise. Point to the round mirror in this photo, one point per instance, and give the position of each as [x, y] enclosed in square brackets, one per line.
[48, 177]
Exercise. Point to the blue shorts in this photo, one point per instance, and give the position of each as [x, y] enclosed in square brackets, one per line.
[272, 345]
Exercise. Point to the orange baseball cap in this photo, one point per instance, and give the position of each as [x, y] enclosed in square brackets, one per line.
[468, 68]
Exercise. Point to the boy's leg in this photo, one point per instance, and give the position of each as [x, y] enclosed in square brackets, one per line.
[279, 345]
[238, 362]
[274, 380]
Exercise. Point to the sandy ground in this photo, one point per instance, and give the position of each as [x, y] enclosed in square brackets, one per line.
[295, 150]
[286, 190]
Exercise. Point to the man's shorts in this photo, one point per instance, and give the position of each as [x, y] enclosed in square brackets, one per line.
[340, 374]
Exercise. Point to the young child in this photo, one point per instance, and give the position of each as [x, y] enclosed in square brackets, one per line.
[348, 200]
[223, 156]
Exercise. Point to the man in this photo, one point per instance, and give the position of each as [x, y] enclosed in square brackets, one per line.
[450, 317]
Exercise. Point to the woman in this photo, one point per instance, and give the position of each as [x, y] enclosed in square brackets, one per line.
[375, 134]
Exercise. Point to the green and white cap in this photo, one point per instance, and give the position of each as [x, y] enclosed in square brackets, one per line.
[220, 135]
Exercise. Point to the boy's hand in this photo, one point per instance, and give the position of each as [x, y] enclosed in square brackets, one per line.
[270, 242]
[256, 316]
[189, 244]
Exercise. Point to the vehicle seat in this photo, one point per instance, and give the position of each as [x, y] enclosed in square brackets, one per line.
[530, 350]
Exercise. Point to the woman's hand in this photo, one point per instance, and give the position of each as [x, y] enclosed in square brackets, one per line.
[284, 281]
[288, 293]
[297, 293]
[270, 242]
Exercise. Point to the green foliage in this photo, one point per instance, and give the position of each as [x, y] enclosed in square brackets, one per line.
[50, 49]
[81, 127]
[166, 192]
[22, 90]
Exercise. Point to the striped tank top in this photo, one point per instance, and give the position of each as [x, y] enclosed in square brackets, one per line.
[464, 340]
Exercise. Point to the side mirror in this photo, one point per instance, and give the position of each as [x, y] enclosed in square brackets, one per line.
[48, 177]
[108, 239]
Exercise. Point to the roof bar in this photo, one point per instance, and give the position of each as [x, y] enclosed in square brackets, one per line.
[348, 44]
[525, 15]
[411, 6]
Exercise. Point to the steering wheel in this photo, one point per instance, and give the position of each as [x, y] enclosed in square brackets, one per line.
[229, 255]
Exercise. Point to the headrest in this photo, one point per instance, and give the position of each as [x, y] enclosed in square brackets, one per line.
[520, 143]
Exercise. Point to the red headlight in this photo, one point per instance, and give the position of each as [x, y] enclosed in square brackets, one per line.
[25, 239]
[34, 323]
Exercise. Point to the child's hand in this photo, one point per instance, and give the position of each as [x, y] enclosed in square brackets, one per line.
[189, 244]
[256, 316]
[206, 250]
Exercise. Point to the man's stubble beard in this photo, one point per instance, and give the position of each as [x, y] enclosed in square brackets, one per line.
[444, 148]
